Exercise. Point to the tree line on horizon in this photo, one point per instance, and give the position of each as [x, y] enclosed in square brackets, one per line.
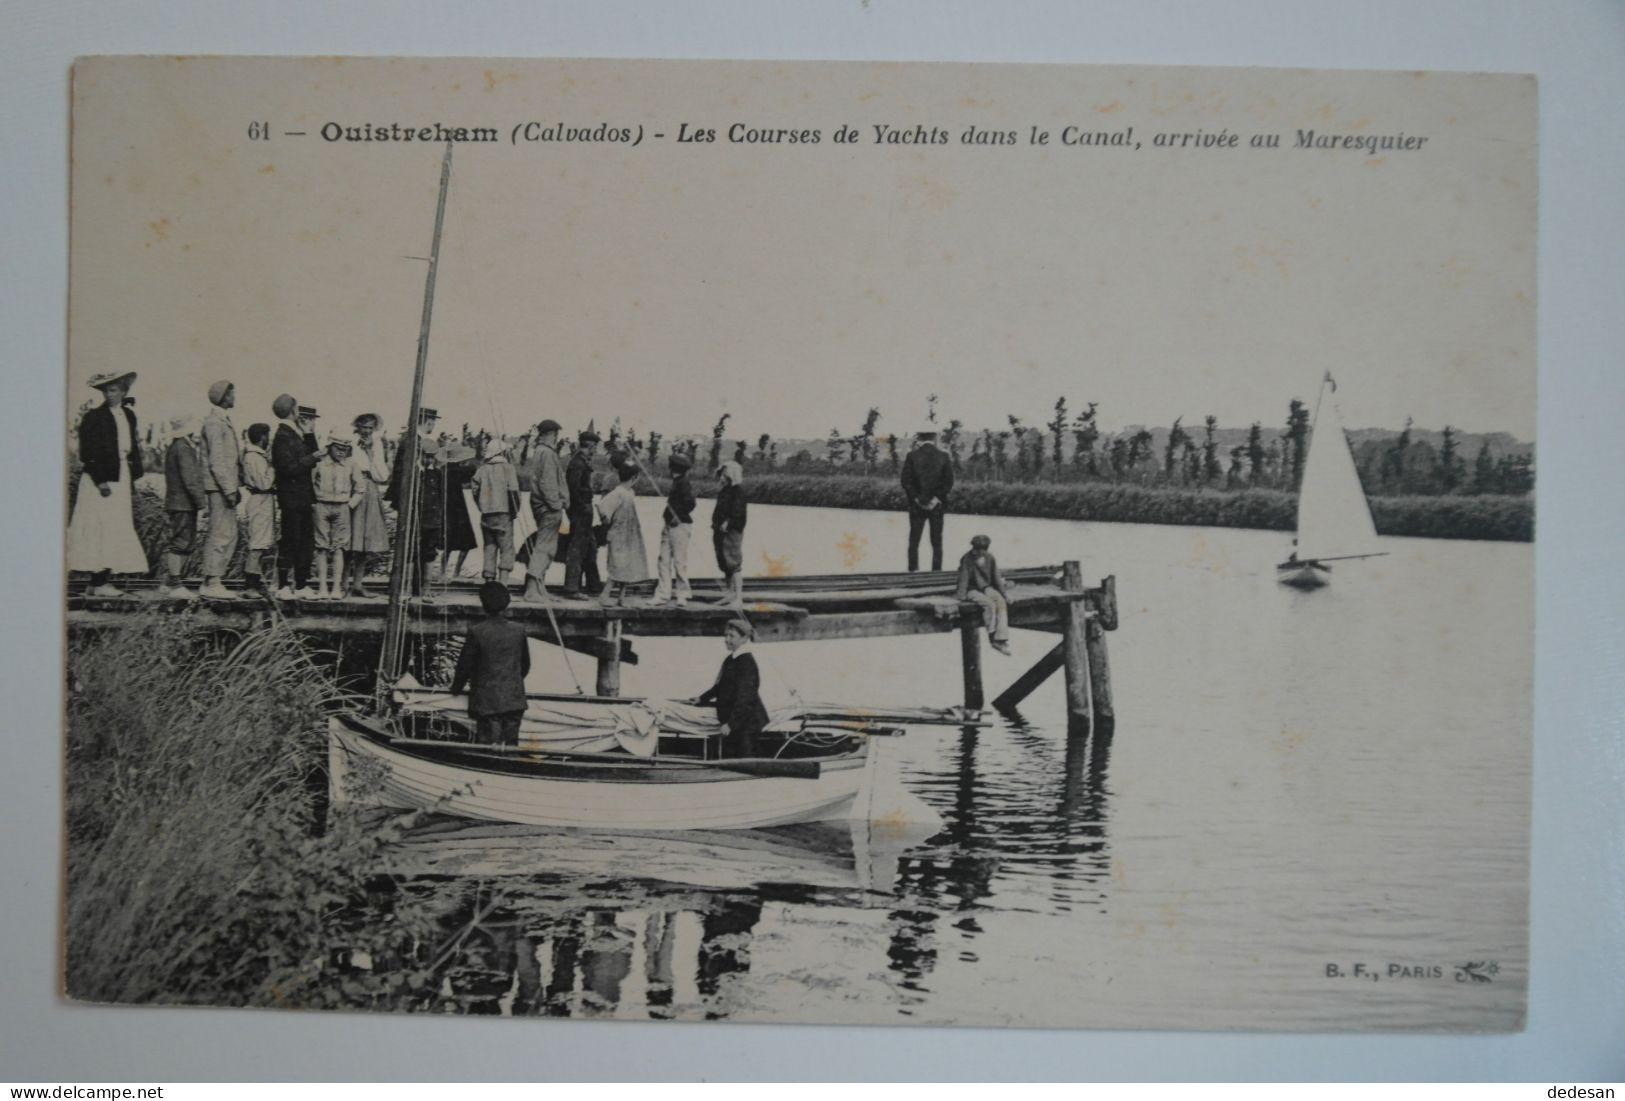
[1070, 447]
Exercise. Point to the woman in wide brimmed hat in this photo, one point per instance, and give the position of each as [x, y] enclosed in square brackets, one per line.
[101, 535]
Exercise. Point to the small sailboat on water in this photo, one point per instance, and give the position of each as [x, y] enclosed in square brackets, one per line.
[1334, 517]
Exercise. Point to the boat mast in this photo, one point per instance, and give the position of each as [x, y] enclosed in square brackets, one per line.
[406, 518]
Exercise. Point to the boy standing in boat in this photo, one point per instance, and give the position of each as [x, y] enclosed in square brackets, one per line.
[492, 668]
[981, 583]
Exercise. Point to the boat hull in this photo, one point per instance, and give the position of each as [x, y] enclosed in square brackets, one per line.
[1302, 575]
[595, 794]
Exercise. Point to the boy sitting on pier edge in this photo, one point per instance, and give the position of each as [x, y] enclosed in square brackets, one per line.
[981, 582]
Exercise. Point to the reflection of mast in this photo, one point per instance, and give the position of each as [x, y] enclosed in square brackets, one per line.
[406, 522]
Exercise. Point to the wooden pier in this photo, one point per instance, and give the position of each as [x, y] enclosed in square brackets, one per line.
[1052, 599]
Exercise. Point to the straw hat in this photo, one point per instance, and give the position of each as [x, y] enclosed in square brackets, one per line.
[123, 379]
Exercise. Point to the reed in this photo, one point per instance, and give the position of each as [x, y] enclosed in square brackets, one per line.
[197, 871]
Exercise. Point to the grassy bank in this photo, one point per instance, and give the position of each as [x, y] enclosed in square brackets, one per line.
[197, 870]
[1442, 517]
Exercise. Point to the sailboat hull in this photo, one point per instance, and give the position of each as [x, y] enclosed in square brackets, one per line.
[1302, 575]
[637, 794]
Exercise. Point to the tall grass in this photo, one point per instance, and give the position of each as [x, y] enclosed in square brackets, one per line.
[197, 872]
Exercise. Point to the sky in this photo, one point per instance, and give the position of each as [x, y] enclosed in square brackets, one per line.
[795, 286]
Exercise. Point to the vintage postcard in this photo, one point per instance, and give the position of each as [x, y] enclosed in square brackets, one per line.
[845, 543]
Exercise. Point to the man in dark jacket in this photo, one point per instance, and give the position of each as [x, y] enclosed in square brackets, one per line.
[294, 454]
[184, 497]
[737, 693]
[435, 494]
[581, 559]
[928, 477]
[492, 668]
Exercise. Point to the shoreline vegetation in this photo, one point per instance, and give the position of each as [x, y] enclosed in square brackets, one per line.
[203, 866]
[1483, 516]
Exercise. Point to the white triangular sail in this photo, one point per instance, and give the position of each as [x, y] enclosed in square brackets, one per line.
[1334, 518]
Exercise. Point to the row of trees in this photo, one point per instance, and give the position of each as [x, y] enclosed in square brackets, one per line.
[1070, 447]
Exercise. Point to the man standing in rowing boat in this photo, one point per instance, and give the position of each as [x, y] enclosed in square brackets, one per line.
[928, 476]
[492, 668]
[737, 693]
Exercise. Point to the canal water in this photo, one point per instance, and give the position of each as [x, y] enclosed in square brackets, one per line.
[1314, 813]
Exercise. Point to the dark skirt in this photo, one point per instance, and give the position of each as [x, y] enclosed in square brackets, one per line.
[730, 548]
[459, 528]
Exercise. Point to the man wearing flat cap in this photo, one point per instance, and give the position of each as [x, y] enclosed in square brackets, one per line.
[221, 482]
[543, 476]
[928, 477]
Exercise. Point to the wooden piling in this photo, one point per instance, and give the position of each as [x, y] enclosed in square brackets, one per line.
[1100, 676]
[1074, 651]
[970, 654]
[609, 659]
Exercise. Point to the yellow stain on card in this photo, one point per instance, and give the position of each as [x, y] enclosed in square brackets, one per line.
[853, 547]
[267, 169]
[775, 567]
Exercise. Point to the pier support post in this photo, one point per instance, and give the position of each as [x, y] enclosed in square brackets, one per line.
[1100, 670]
[609, 659]
[970, 655]
[1074, 652]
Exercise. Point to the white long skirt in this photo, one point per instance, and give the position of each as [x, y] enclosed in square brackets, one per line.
[101, 535]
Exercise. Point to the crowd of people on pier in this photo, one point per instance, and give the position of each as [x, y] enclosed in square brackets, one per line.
[313, 514]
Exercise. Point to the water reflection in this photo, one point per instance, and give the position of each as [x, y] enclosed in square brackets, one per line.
[566, 923]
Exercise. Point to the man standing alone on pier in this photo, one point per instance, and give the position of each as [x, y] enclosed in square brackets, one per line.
[221, 456]
[928, 477]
